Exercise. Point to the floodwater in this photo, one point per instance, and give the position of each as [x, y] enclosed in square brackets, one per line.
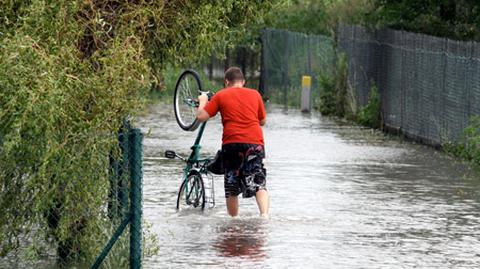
[342, 196]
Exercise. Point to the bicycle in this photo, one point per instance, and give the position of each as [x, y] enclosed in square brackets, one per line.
[192, 192]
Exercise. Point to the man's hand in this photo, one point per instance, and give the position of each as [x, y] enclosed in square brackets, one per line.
[203, 100]
[202, 115]
[262, 122]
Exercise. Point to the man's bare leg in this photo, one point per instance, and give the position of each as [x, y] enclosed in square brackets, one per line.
[262, 202]
[232, 206]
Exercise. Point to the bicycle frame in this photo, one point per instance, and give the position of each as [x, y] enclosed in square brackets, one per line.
[194, 158]
[194, 162]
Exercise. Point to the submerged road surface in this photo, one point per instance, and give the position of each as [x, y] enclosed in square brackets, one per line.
[341, 197]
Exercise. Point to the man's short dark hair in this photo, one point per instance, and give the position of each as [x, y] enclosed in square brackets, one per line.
[234, 74]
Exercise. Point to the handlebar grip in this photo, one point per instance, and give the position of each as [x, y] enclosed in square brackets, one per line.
[209, 94]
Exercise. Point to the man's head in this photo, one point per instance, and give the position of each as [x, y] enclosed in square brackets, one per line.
[234, 77]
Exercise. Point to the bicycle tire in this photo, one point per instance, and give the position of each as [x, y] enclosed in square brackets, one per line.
[192, 192]
[187, 89]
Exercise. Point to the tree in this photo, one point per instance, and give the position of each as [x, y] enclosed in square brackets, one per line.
[448, 18]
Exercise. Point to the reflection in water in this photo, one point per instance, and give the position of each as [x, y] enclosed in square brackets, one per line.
[243, 238]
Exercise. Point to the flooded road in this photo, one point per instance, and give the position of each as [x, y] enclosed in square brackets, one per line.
[341, 197]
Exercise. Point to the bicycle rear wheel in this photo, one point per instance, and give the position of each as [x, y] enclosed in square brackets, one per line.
[192, 192]
[185, 102]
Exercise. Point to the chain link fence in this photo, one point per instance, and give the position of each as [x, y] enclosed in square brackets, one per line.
[125, 196]
[99, 222]
[430, 86]
[286, 57]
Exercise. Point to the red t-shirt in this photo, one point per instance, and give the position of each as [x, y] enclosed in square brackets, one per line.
[242, 110]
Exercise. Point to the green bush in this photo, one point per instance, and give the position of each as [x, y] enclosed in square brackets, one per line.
[469, 146]
[326, 102]
[370, 114]
[333, 90]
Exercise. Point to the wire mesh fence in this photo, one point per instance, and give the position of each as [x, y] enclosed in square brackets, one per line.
[286, 57]
[84, 213]
[430, 86]
[125, 196]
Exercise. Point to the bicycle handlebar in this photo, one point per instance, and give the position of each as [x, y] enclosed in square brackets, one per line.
[208, 93]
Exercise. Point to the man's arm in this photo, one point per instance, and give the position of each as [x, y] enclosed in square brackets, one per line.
[202, 115]
[262, 122]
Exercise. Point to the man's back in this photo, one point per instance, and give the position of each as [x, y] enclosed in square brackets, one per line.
[242, 110]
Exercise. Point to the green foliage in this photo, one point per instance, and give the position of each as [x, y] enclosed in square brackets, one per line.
[58, 121]
[326, 103]
[306, 16]
[448, 18]
[469, 146]
[348, 12]
[71, 72]
[333, 90]
[370, 114]
[318, 16]
[188, 31]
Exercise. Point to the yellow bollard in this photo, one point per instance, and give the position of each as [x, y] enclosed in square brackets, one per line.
[306, 93]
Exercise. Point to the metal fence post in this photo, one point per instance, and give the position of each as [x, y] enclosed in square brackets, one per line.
[135, 138]
[285, 68]
[262, 87]
[124, 169]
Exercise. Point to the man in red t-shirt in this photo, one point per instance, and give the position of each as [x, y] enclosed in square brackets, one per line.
[243, 113]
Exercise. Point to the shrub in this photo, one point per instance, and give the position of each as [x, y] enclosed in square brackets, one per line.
[468, 147]
[326, 103]
[333, 90]
[370, 114]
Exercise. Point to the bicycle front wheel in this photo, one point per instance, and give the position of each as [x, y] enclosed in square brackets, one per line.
[185, 100]
[192, 192]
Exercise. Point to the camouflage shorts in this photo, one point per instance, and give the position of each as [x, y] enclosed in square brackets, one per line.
[244, 171]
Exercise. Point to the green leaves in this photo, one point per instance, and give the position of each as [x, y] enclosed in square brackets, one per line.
[447, 18]
[370, 114]
[469, 146]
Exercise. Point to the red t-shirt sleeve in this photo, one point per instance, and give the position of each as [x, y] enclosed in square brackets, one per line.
[261, 108]
[212, 107]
